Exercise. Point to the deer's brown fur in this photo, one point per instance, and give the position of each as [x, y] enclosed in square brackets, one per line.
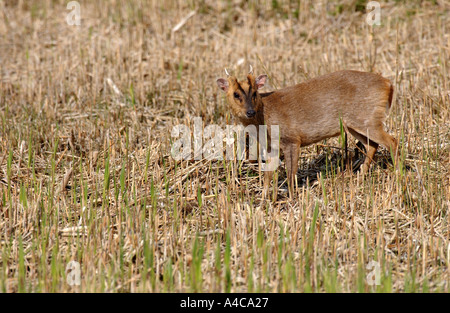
[311, 111]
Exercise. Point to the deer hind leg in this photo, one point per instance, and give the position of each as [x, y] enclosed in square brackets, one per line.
[371, 147]
[388, 141]
[376, 137]
[381, 137]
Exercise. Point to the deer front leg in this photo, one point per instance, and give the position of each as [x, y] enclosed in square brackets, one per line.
[269, 167]
[267, 178]
[291, 151]
[272, 161]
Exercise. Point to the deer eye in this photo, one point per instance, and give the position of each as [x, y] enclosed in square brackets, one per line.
[236, 95]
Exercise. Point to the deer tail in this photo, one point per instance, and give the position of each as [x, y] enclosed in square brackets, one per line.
[391, 95]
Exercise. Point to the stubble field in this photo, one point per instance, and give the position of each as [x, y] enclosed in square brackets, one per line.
[87, 175]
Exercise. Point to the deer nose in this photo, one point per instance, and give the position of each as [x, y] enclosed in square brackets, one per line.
[251, 113]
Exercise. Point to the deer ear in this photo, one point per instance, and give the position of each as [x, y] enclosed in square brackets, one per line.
[223, 84]
[261, 81]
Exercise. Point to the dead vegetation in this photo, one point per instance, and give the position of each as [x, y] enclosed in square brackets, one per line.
[86, 173]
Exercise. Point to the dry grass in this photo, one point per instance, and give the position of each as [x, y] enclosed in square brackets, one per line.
[86, 172]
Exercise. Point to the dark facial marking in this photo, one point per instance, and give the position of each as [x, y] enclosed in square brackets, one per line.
[240, 88]
[249, 90]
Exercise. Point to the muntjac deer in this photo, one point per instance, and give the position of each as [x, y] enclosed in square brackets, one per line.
[311, 111]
